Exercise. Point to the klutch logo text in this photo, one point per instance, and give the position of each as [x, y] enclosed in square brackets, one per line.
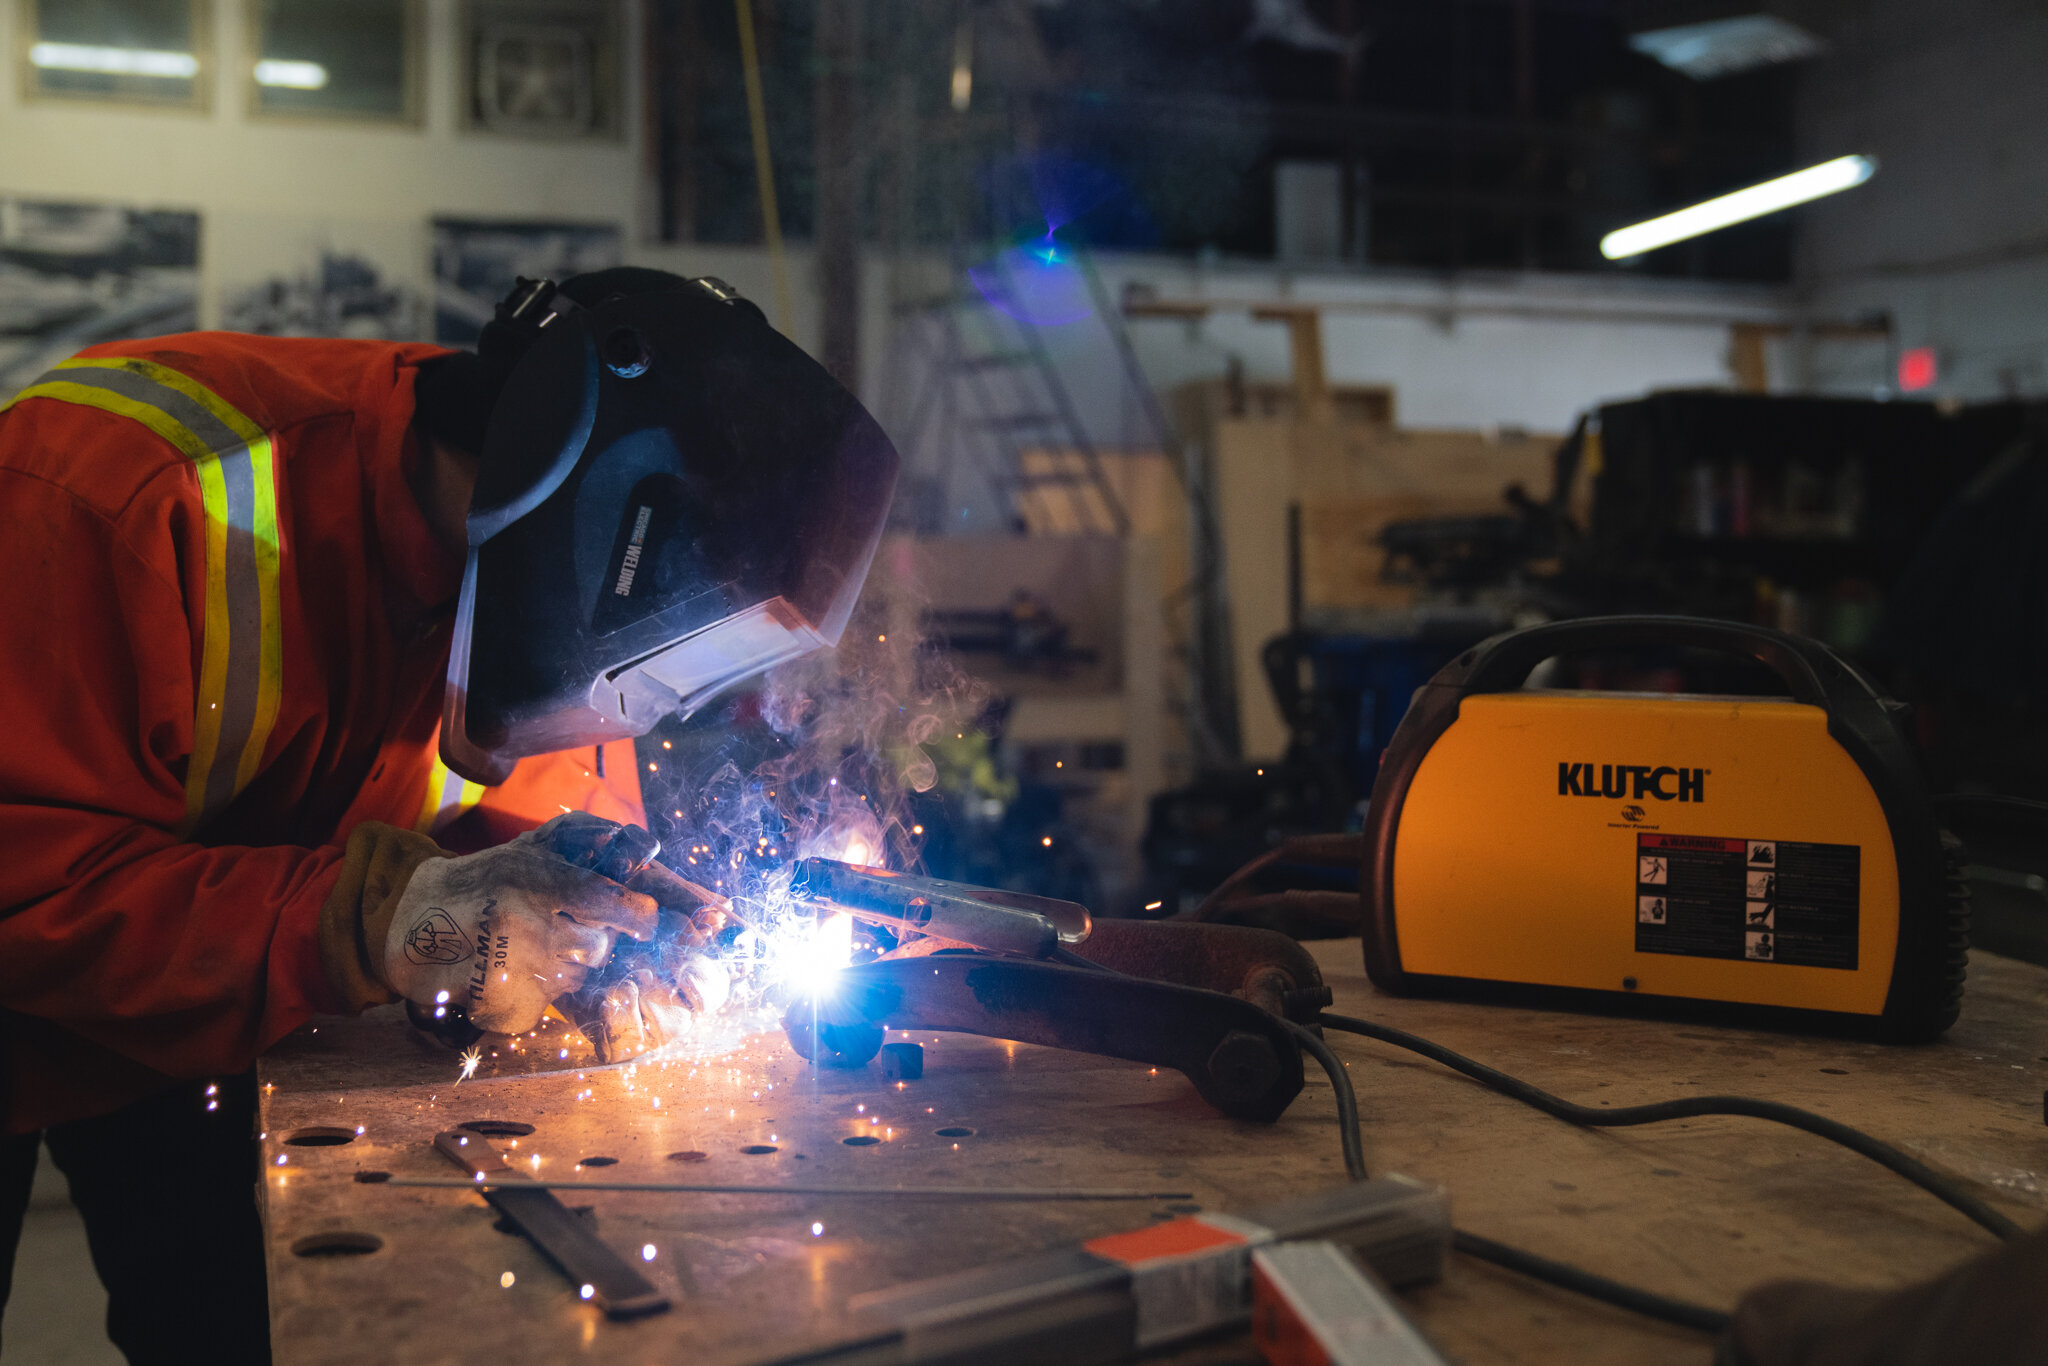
[1634, 781]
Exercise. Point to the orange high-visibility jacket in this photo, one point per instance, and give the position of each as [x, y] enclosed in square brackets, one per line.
[224, 628]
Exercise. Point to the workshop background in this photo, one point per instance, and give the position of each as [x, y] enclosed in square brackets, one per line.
[1249, 358]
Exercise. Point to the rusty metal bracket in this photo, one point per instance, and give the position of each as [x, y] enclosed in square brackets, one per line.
[1268, 969]
[1243, 1060]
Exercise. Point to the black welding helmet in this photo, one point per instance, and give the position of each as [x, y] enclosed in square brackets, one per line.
[671, 497]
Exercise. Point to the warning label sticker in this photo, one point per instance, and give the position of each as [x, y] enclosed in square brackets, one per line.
[1768, 901]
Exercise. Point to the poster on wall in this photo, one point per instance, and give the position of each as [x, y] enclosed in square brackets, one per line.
[338, 294]
[476, 262]
[73, 275]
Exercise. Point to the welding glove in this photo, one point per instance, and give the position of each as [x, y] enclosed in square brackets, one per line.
[650, 994]
[498, 934]
[1989, 1312]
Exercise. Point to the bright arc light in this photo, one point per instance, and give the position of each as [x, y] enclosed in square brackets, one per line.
[815, 962]
[1830, 177]
[113, 61]
[291, 75]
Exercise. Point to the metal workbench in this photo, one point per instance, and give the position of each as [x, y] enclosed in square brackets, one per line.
[1699, 1209]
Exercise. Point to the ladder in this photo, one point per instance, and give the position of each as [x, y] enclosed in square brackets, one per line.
[989, 403]
[991, 398]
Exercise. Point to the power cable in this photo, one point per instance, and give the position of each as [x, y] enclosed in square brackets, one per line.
[1347, 1098]
[1566, 1276]
[1561, 1274]
[1941, 1187]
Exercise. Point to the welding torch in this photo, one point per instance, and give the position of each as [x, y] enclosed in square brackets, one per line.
[987, 918]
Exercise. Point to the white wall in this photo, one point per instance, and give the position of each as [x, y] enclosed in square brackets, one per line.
[1951, 235]
[273, 192]
[1481, 350]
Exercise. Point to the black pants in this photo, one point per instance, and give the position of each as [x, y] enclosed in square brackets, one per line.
[167, 1189]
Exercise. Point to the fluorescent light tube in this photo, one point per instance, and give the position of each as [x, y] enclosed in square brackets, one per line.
[291, 75]
[113, 61]
[1722, 47]
[1830, 177]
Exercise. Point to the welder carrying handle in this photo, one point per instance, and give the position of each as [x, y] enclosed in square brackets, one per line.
[1811, 672]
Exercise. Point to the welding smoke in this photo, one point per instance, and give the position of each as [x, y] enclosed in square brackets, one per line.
[821, 761]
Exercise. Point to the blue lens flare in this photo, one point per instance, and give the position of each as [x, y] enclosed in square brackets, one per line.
[1036, 283]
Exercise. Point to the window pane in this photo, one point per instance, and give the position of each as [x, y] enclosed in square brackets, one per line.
[115, 49]
[542, 68]
[319, 57]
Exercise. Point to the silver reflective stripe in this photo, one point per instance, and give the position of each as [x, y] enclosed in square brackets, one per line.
[217, 436]
[245, 630]
[240, 674]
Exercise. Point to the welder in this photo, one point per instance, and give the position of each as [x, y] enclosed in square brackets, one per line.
[304, 639]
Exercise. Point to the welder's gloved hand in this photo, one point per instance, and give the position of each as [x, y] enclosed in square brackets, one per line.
[651, 994]
[1989, 1311]
[502, 932]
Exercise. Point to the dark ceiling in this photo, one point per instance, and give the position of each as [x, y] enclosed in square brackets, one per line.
[1471, 134]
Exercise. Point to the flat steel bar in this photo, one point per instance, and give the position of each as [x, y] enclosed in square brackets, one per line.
[516, 1182]
[602, 1275]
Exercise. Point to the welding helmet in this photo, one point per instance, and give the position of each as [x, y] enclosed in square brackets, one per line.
[671, 497]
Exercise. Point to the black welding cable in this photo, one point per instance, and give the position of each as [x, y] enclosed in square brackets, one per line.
[1941, 1187]
[1561, 1274]
[1347, 1098]
[1569, 1277]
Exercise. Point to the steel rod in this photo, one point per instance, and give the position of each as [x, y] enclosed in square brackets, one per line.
[911, 1192]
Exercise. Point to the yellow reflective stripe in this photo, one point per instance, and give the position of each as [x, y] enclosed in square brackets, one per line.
[241, 664]
[448, 797]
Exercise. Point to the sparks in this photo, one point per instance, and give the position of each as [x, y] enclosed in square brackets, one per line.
[471, 1057]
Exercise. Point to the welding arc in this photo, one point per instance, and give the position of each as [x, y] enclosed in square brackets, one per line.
[1877, 1150]
[902, 1192]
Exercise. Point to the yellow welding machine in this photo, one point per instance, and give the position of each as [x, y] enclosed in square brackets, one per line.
[1776, 856]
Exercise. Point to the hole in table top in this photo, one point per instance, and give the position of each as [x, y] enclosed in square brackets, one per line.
[954, 1131]
[758, 1149]
[372, 1178]
[320, 1136]
[861, 1141]
[340, 1243]
[497, 1128]
[599, 1162]
[1836, 1071]
[691, 1155]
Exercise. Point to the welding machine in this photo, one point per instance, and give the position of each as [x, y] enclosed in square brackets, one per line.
[1776, 856]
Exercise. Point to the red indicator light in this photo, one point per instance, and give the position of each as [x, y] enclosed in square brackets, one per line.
[1916, 368]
